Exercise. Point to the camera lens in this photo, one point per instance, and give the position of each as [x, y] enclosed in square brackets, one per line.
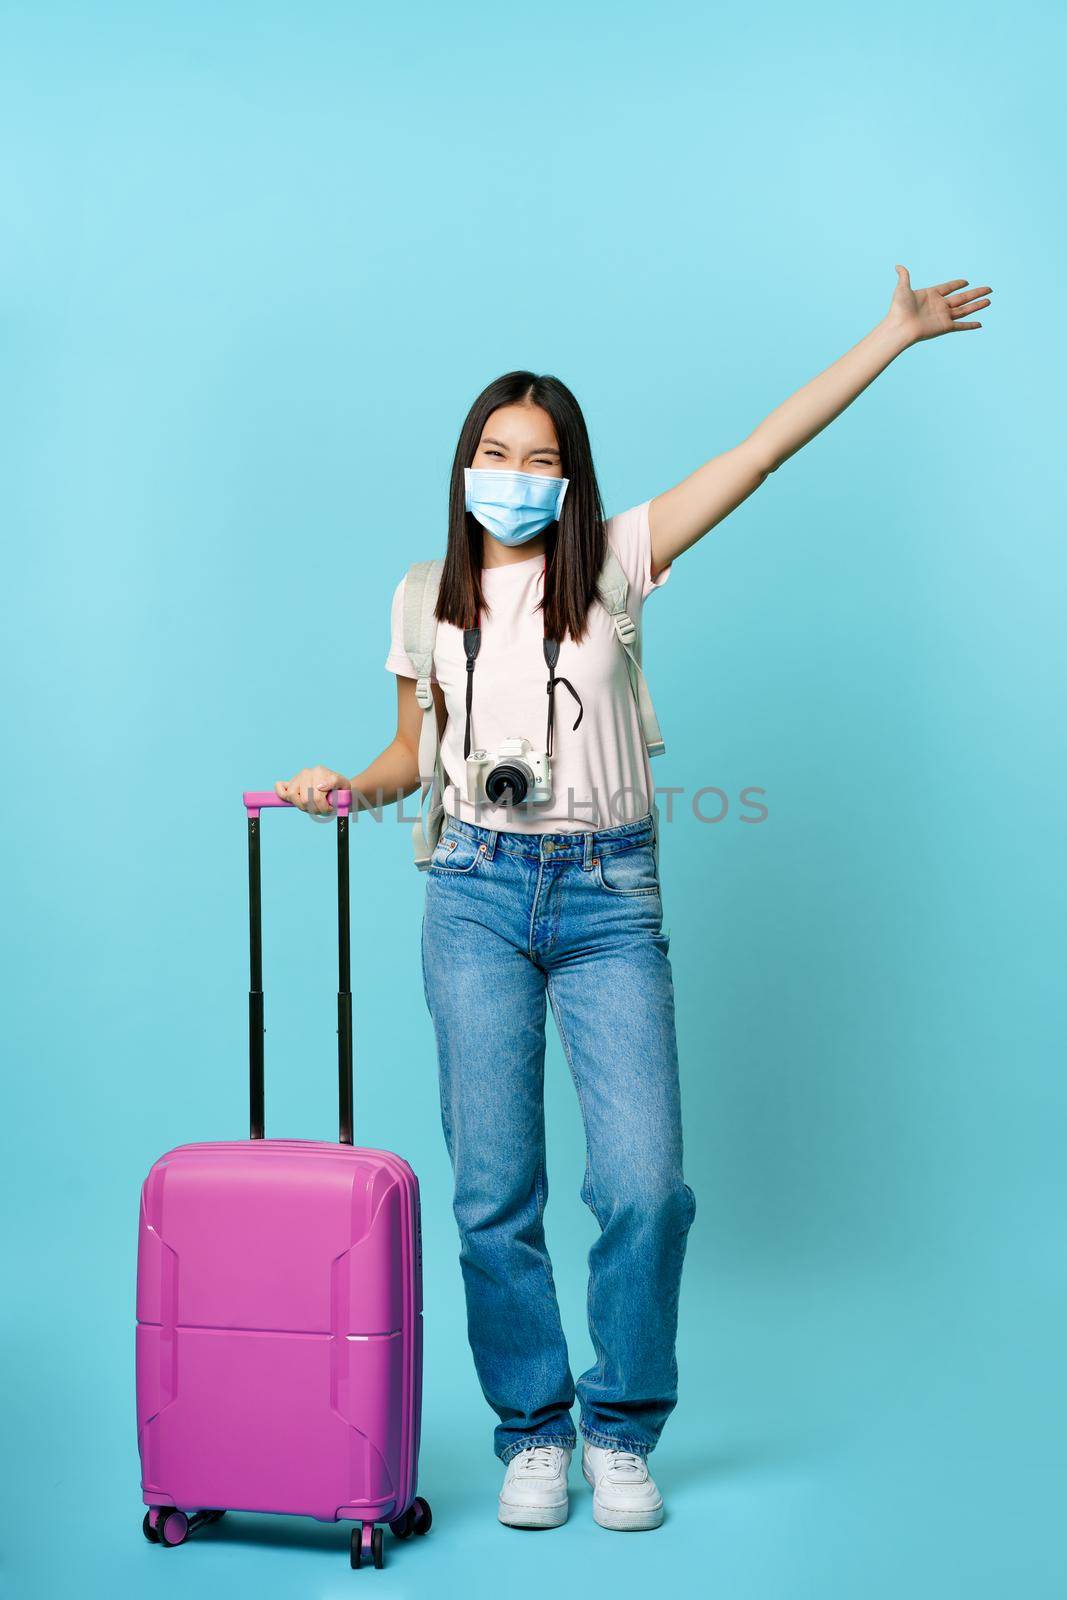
[508, 783]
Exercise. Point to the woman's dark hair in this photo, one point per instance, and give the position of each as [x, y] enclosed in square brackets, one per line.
[574, 546]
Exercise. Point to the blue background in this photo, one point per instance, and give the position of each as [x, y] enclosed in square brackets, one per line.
[256, 263]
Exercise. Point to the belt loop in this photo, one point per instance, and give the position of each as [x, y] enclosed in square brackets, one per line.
[490, 848]
[587, 857]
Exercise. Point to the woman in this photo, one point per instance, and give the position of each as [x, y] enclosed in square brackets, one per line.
[553, 896]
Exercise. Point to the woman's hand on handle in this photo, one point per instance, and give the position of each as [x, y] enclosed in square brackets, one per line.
[392, 775]
[309, 790]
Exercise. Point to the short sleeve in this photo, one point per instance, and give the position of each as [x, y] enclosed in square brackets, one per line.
[630, 537]
[398, 659]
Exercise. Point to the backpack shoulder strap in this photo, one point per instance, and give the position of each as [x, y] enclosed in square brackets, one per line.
[612, 584]
[613, 588]
[421, 587]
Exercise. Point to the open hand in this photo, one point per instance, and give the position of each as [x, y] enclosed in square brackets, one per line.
[924, 313]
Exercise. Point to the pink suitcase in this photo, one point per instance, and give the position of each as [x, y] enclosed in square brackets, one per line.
[279, 1310]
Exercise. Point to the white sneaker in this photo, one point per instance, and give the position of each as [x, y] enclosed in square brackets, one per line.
[534, 1493]
[624, 1494]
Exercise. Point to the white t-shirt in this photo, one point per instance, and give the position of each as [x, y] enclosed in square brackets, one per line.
[600, 771]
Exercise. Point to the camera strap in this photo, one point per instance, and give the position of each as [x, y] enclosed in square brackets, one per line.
[472, 643]
[551, 647]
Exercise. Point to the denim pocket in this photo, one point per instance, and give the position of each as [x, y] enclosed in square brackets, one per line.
[455, 854]
[628, 872]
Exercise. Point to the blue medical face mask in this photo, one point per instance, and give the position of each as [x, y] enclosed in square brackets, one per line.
[513, 506]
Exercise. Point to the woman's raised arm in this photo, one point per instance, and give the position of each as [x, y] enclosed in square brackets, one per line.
[682, 515]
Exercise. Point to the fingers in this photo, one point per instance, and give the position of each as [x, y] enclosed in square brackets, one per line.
[964, 327]
[315, 785]
[903, 277]
[325, 779]
[310, 790]
[300, 789]
[970, 308]
[960, 300]
[947, 288]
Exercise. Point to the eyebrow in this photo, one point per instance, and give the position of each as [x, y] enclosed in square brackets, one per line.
[545, 450]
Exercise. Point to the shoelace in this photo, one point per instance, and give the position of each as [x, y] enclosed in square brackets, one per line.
[624, 1461]
[535, 1457]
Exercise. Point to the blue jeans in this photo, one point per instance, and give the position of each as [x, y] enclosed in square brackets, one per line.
[511, 919]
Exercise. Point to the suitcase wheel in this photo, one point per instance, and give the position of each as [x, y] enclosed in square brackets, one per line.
[367, 1540]
[172, 1527]
[416, 1519]
[167, 1526]
[404, 1526]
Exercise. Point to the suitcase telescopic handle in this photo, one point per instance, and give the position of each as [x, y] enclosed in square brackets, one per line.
[257, 800]
[254, 802]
